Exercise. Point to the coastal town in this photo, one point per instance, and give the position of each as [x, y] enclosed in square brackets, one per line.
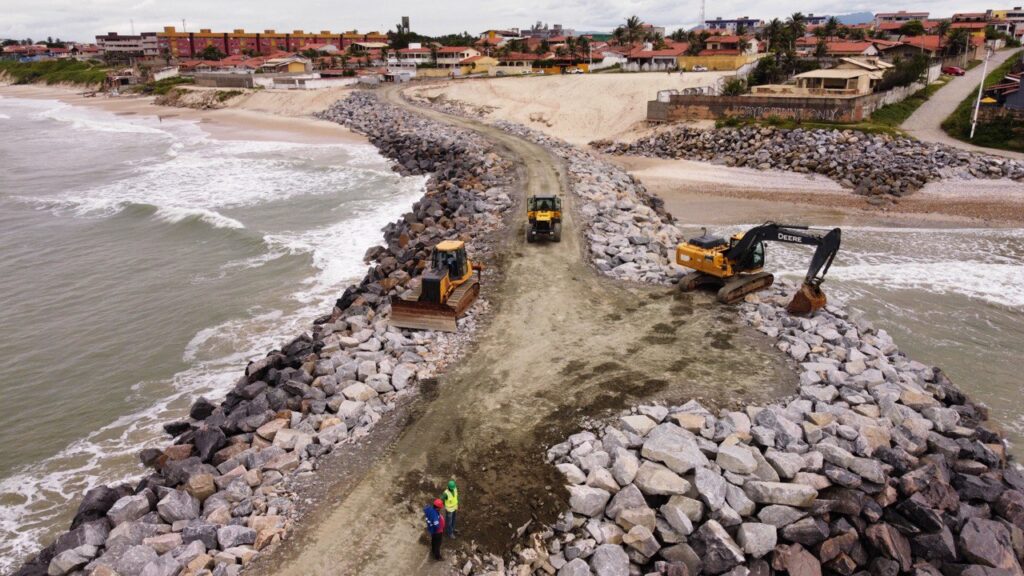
[527, 377]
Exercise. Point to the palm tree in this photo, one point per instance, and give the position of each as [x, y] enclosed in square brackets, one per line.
[634, 29]
[583, 45]
[741, 29]
[620, 35]
[384, 54]
[943, 28]
[831, 26]
[796, 25]
[571, 47]
[959, 40]
[775, 30]
[912, 28]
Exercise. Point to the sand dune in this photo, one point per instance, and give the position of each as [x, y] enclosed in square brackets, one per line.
[578, 109]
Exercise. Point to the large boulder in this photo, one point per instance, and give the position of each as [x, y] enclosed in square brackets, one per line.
[988, 543]
[716, 548]
[782, 493]
[756, 539]
[609, 560]
[588, 500]
[675, 447]
[178, 505]
[657, 480]
[128, 508]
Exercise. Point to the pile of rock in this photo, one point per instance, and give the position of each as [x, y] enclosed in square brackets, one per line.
[879, 465]
[221, 492]
[870, 164]
[630, 236]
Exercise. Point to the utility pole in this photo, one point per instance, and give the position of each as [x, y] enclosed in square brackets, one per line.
[981, 88]
[700, 24]
[132, 23]
[182, 24]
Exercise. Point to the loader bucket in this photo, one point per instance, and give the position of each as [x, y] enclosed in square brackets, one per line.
[422, 316]
[807, 300]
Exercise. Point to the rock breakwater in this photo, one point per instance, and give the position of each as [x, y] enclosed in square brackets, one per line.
[222, 492]
[869, 164]
[629, 234]
[879, 465]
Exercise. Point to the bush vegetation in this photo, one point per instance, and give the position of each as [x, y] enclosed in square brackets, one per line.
[55, 72]
[1006, 135]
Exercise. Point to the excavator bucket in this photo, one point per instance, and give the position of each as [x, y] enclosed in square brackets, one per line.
[423, 315]
[807, 300]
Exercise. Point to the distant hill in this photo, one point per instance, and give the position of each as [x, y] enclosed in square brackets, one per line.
[856, 18]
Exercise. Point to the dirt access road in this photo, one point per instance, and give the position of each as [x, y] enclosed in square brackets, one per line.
[561, 344]
[926, 122]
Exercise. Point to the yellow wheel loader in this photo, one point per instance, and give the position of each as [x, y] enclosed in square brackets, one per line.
[447, 289]
[544, 214]
[736, 267]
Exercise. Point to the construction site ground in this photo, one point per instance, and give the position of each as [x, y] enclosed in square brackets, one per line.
[561, 346]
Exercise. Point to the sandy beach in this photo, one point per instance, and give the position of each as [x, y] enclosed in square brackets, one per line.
[699, 192]
[277, 115]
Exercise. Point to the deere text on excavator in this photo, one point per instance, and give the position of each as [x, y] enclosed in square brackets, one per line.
[736, 266]
[544, 214]
[447, 289]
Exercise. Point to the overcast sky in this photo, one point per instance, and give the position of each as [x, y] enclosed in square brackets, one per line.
[84, 19]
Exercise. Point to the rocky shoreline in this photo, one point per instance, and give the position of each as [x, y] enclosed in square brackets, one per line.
[874, 165]
[880, 465]
[220, 494]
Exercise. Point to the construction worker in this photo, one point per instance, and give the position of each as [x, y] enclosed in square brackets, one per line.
[451, 506]
[435, 526]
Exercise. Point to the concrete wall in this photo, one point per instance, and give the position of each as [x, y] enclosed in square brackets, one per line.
[214, 80]
[678, 107]
[717, 62]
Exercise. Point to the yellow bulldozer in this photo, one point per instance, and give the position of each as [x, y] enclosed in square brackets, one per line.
[447, 289]
[544, 214]
[736, 266]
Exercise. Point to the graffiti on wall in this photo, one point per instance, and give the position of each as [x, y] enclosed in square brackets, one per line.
[807, 113]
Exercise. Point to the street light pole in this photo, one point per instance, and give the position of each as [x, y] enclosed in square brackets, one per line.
[981, 88]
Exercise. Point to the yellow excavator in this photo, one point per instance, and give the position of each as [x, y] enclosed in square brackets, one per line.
[447, 289]
[736, 267]
[544, 214]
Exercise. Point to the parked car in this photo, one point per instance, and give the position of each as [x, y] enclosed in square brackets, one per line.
[700, 68]
[574, 71]
[953, 71]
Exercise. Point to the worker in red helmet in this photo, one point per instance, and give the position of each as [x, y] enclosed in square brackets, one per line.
[435, 526]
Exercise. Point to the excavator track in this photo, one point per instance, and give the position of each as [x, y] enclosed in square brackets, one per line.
[735, 289]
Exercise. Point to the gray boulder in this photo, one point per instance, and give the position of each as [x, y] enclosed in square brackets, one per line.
[675, 447]
[128, 508]
[657, 480]
[711, 487]
[71, 560]
[178, 505]
[575, 567]
[134, 560]
[797, 495]
[587, 500]
[609, 560]
[756, 539]
[716, 548]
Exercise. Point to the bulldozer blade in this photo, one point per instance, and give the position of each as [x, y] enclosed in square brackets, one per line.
[807, 300]
[423, 316]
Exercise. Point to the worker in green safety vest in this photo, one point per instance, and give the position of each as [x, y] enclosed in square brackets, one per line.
[451, 507]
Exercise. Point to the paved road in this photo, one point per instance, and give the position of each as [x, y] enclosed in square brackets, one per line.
[561, 344]
[926, 122]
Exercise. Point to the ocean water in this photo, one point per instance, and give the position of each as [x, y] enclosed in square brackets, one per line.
[953, 298]
[142, 264]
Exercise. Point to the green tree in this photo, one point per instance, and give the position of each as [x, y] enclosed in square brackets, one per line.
[211, 53]
[912, 28]
[832, 27]
[734, 87]
[634, 29]
[796, 25]
[775, 30]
